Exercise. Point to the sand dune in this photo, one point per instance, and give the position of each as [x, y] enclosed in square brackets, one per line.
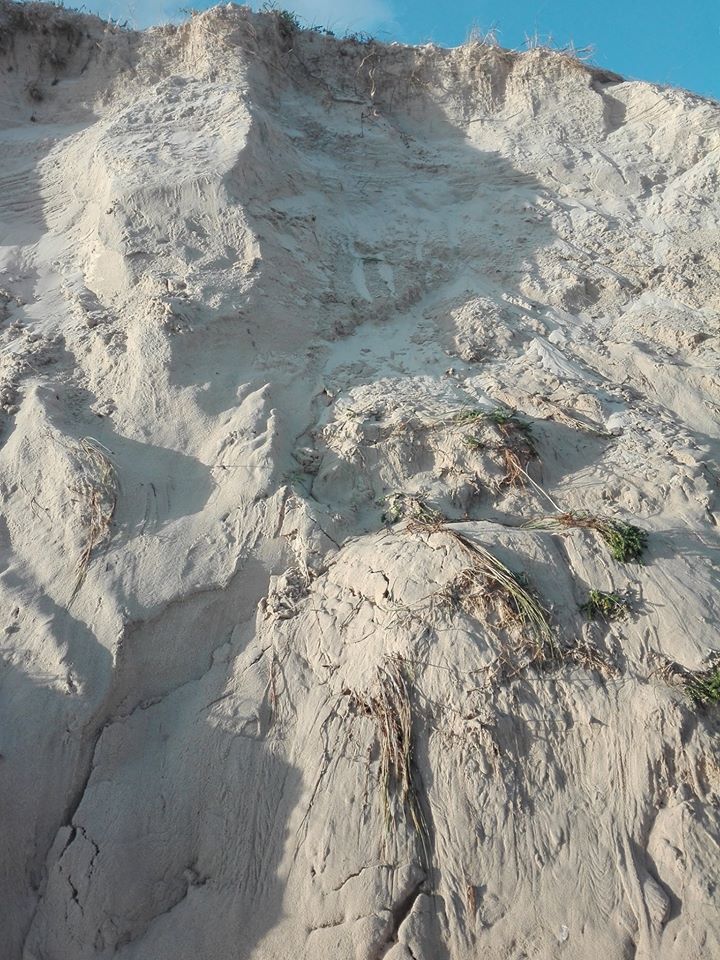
[327, 371]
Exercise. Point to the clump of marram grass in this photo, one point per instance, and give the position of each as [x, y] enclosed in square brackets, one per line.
[470, 415]
[288, 21]
[625, 541]
[487, 582]
[403, 506]
[517, 445]
[390, 709]
[504, 418]
[568, 51]
[604, 606]
[701, 687]
[98, 489]
[480, 37]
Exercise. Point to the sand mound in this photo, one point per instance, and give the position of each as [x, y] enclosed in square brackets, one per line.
[341, 385]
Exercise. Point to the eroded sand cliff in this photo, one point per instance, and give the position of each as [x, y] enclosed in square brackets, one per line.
[285, 671]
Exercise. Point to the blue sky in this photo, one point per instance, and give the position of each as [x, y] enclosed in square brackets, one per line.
[659, 40]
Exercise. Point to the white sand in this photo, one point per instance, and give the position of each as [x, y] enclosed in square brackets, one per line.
[261, 275]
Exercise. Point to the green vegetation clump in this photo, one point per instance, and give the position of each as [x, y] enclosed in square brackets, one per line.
[504, 418]
[470, 415]
[604, 606]
[626, 542]
[703, 687]
[359, 37]
[402, 506]
[516, 442]
[507, 420]
[288, 20]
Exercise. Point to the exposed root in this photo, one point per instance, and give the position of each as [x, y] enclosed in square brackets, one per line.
[560, 415]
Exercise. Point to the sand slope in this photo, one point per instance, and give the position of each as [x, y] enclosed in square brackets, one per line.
[258, 699]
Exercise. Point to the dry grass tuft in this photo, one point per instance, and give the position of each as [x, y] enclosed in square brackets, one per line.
[98, 490]
[536, 41]
[485, 38]
[488, 585]
[287, 20]
[390, 709]
[515, 467]
[589, 657]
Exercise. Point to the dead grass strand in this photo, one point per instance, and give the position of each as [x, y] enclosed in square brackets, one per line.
[488, 580]
[99, 491]
[389, 706]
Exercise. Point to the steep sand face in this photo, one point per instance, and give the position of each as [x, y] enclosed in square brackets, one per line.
[285, 671]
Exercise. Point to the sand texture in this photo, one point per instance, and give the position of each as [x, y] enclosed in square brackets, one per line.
[326, 369]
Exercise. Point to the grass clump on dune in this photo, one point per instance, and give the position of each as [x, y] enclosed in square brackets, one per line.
[488, 581]
[516, 441]
[470, 415]
[473, 443]
[504, 418]
[701, 687]
[402, 506]
[625, 541]
[288, 20]
[604, 606]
